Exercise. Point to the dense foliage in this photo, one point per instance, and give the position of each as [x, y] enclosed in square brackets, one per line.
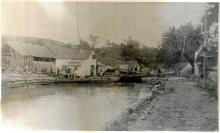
[129, 50]
[177, 44]
[180, 44]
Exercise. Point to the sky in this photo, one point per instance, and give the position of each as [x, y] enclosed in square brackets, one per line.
[112, 21]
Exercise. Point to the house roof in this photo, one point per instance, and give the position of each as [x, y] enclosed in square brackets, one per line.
[32, 40]
[70, 53]
[26, 49]
[49, 51]
[116, 63]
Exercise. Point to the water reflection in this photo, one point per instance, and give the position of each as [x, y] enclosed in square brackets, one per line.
[68, 106]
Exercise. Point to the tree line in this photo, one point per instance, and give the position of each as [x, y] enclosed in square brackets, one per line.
[128, 50]
[180, 44]
[185, 43]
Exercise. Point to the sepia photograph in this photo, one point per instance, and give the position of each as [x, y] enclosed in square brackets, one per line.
[109, 66]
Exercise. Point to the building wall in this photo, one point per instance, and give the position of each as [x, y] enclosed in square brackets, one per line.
[16, 61]
[26, 63]
[81, 68]
[48, 67]
[123, 67]
[85, 69]
[59, 65]
[12, 60]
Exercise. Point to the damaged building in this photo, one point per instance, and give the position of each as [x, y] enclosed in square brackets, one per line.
[108, 64]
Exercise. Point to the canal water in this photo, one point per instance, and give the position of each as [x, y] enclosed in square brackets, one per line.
[68, 106]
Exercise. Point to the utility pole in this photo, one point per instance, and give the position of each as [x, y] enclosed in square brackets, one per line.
[77, 23]
[204, 54]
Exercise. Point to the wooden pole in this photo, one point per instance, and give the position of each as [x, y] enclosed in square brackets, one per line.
[77, 23]
[204, 54]
[184, 43]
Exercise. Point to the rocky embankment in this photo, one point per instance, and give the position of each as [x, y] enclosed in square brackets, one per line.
[179, 105]
[141, 109]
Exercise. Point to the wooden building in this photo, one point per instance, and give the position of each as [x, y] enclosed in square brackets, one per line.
[75, 63]
[43, 58]
[26, 57]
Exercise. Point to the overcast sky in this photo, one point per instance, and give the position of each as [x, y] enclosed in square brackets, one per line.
[144, 22]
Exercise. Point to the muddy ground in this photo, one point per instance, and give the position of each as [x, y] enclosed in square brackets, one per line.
[182, 106]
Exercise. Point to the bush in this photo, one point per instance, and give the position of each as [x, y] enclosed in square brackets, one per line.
[211, 87]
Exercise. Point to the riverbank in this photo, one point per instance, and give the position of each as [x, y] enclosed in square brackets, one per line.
[13, 80]
[180, 106]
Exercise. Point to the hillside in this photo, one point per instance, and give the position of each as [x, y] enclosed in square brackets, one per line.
[33, 40]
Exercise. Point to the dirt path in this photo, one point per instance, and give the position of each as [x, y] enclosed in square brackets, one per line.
[186, 108]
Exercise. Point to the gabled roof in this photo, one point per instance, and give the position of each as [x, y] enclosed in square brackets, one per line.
[69, 53]
[32, 40]
[49, 51]
[30, 49]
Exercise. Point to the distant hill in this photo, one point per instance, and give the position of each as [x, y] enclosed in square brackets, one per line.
[33, 40]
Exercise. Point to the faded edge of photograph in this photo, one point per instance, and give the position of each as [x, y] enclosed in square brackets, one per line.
[109, 66]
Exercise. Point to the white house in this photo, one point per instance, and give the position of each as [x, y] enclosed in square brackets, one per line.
[75, 62]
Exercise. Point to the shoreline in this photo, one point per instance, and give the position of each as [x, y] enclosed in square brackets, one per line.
[16, 80]
[123, 117]
[179, 106]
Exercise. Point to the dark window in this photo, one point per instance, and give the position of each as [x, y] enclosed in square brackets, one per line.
[47, 59]
[92, 70]
[93, 57]
[43, 59]
[36, 59]
[135, 69]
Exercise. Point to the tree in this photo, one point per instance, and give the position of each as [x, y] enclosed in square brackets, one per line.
[193, 40]
[186, 42]
[83, 44]
[93, 40]
[211, 14]
[179, 45]
[210, 22]
[111, 49]
[129, 49]
[147, 56]
[170, 49]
